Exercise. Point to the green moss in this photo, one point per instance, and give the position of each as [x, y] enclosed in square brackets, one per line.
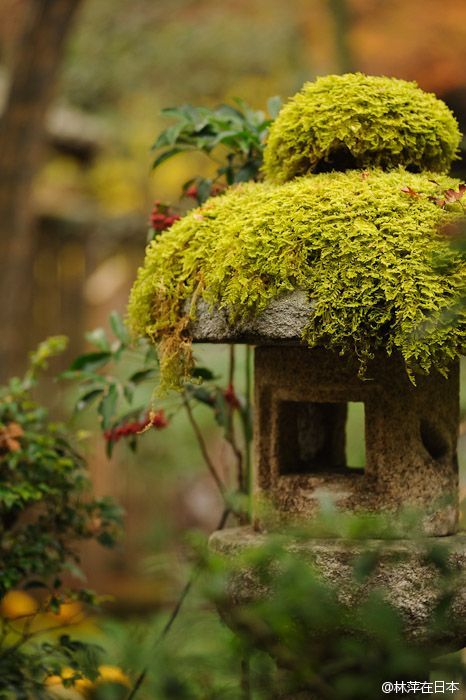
[357, 121]
[370, 256]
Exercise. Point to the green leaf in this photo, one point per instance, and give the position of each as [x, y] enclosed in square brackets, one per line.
[85, 400]
[109, 445]
[34, 584]
[221, 409]
[54, 604]
[186, 112]
[128, 391]
[98, 337]
[142, 375]
[90, 361]
[234, 115]
[246, 173]
[151, 355]
[172, 133]
[166, 155]
[204, 189]
[106, 539]
[203, 373]
[119, 328]
[201, 394]
[108, 405]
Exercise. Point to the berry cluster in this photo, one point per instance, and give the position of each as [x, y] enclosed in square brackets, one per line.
[155, 419]
[162, 217]
[193, 191]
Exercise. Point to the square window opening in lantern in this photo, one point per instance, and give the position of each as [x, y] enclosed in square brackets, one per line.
[317, 437]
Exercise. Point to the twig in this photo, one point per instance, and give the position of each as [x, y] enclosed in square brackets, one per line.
[203, 447]
[38, 633]
[175, 612]
[231, 369]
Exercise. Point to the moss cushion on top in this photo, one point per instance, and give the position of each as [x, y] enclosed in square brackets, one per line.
[366, 246]
[358, 121]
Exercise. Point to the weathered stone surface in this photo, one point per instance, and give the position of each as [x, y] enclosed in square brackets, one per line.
[282, 321]
[412, 586]
[301, 398]
[410, 433]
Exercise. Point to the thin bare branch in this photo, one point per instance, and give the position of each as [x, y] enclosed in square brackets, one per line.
[203, 447]
[176, 611]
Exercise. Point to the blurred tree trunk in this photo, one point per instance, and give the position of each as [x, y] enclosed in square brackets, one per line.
[36, 62]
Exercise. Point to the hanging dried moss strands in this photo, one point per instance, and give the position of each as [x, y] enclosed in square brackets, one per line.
[342, 122]
[365, 245]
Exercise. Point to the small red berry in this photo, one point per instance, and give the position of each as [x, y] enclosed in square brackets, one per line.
[158, 419]
[191, 192]
[230, 396]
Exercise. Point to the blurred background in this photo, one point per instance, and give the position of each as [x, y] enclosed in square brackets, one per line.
[82, 84]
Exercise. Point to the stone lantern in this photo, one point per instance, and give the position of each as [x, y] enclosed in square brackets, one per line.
[336, 271]
[300, 408]
[300, 403]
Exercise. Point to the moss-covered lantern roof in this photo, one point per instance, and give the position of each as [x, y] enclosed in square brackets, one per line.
[367, 247]
[358, 121]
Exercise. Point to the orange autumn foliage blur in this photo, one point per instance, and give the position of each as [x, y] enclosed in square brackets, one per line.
[421, 40]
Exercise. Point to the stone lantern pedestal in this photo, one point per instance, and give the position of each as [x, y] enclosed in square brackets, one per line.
[301, 398]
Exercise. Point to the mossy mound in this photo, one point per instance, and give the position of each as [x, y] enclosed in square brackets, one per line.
[371, 256]
[342, 122]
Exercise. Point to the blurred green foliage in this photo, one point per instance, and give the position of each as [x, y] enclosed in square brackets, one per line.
[283, 606]
[46, 509]
[145, 50]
